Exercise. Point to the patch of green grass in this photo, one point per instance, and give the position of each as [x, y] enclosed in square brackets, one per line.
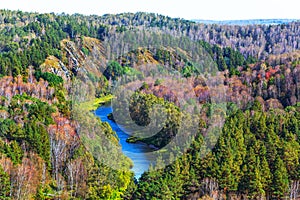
[95, 103]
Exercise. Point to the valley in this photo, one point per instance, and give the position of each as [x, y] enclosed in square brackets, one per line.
[145, 106]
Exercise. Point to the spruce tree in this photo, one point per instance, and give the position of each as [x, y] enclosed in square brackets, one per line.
[280, 179]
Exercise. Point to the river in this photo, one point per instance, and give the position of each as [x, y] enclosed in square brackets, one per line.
[135, 151]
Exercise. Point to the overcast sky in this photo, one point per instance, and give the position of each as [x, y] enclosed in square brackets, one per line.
[188, 9]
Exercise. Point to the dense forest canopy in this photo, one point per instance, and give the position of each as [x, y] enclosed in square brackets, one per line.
[53, 66]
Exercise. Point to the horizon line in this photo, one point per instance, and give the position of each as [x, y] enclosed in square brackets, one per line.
[193, 20]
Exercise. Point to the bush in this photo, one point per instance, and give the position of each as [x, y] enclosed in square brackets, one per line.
[52, 79]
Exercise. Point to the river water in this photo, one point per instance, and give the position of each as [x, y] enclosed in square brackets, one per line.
[135, 151]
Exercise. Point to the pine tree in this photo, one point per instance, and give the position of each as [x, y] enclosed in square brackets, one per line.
[280, 179]
[4, 184]
[251, 182]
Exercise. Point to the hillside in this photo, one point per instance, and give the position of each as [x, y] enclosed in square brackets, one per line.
[248, 22]
[228, 97]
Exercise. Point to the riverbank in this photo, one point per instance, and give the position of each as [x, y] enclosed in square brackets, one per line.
[137, 152]
[134, 140]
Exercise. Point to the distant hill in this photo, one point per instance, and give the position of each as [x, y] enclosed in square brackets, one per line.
[247, 22]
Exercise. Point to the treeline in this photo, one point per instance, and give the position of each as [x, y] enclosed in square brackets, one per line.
[257, 156]
[252, 40]
[257, 41]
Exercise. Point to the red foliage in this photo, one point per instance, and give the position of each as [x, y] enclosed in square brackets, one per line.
[10, 86]
[270, 73]
[62, 126]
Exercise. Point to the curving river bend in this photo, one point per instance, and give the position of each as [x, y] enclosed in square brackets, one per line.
[135, 151]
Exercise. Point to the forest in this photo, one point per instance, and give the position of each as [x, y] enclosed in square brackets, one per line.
[245, 139]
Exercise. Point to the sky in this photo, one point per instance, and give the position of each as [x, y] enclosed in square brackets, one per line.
[187, 9]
